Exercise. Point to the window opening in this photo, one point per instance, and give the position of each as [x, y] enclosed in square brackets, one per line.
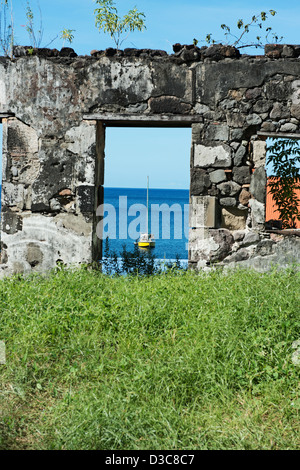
[283, 183]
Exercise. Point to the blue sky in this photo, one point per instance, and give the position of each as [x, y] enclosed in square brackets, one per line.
[165, 151]
[167, 21]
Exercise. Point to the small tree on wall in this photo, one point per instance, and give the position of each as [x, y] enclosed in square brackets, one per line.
[107, 18]
[284, 156]
[244, 28]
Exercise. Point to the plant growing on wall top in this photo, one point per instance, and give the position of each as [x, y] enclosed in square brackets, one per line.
[6, 27]
[237, 40]
[67, 35]
[107, 18]
[284, 155]
[7, 31]
[35, 37]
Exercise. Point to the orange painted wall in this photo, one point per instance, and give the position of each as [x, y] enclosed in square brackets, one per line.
[271, 208]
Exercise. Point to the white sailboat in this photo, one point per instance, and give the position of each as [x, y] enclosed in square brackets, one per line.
[146, 240]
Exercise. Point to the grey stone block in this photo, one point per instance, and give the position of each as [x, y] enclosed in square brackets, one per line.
[265, 247]
[207, 156]
[239, 156]
[237, 134]
[268, 126]
[241, 174]
[238, 236]
[228, 201]
[262, 106]
[295, 111]
[229, 188]
[253, 119]
[200, 182]
[240, 255]
[279, 111]
[250, 239]
[203, 212]
[257, 214]
[289, 127]
[11, 223]
[217, 132]
[259, 153]
[258, 184]
[217, 176]
[224, 241]
[288, 51]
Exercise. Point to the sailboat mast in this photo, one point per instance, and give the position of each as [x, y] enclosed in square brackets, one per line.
[147, 205]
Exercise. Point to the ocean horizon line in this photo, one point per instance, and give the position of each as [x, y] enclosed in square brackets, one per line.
[143, 188]
[130, 187]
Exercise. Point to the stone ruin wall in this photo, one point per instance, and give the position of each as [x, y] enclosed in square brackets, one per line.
[55, 107]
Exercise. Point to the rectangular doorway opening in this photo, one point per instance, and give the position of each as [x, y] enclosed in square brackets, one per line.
[132, 155]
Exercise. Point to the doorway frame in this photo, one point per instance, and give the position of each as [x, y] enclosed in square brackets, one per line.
[104, 120]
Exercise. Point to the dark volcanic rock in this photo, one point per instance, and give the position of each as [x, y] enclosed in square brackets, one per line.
[96, 53]
[258, 184]
[110, 51]
[169, 105]
[219, 52]
[67, 52]
[131, 52]
[177, 47]
[46, 52]
[225, 240]
[241, 174]
[20, 51]
[200, 182]
[273, 51]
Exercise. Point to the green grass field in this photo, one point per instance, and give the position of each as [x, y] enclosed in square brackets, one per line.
[172, 361]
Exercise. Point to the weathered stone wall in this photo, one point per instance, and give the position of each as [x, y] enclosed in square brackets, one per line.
[55, 107]
[242, 102]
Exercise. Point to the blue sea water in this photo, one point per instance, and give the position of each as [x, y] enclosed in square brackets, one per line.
[169, 209]
[125, 217]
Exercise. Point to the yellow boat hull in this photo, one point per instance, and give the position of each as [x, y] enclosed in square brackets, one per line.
[146, 244]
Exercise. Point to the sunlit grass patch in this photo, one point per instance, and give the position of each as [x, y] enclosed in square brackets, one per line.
[172, 361]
